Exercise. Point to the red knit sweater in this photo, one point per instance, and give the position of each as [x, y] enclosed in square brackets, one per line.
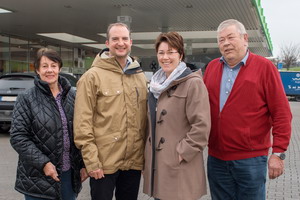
[256, 104]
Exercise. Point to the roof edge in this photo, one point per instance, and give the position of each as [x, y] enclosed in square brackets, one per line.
[263, 22]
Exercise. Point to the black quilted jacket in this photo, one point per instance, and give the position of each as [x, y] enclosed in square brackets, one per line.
[37, 136]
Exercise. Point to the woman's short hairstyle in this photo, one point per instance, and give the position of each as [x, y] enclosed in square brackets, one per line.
[240, 27]
[50, 54]
[174, 40]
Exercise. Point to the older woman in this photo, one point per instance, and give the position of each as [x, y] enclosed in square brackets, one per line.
[179, 125]
[42, 134]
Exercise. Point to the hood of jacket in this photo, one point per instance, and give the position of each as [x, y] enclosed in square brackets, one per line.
[104, 61]
[187, 74]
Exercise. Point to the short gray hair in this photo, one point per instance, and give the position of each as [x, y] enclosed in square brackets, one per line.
[116, 24]
[240, 27]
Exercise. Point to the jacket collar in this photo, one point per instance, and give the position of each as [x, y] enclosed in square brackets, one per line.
[110, 63]
[44, 86]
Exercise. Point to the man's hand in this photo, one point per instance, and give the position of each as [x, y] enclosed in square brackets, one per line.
[50, 170]
[83, 174]
[97, 174]
[276, 166]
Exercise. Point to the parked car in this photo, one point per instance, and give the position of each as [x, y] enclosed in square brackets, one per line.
[10, 86]
[72, 79]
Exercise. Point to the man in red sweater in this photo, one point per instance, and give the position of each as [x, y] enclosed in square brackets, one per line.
[248, 104]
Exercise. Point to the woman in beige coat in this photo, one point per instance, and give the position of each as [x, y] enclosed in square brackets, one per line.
[179, 125]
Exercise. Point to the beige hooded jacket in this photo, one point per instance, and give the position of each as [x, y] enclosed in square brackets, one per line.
[110, 116]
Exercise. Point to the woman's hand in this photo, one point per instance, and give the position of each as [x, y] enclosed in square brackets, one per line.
[83, 174]
[50, 170]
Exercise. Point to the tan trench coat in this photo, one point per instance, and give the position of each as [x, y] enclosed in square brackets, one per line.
[182, 128]
[110, 116]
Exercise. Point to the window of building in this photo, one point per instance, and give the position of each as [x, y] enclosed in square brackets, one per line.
[67, 57]
[4, 54]
[19, 55]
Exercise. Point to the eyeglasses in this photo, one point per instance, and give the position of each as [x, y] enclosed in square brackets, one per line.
[169, 53]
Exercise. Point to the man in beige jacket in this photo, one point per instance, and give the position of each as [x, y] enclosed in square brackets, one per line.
[110, 119]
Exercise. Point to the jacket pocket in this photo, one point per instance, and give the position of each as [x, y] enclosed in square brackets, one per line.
[109, 148]
[110, 102]
[238, 139]
[168, 154]
[108, 92]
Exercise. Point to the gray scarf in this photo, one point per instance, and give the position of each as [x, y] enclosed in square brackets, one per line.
[159, 80]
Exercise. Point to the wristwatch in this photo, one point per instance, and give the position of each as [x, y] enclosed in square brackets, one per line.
[280, 155]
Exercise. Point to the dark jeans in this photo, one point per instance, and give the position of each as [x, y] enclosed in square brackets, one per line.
[238, 179]
[66, 188]
[126, 184]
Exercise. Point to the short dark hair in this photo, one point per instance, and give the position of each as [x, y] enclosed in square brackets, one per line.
[173, 39]
[116, 24]
[50, 54]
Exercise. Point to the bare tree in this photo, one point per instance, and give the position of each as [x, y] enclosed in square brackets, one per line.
[289, 54]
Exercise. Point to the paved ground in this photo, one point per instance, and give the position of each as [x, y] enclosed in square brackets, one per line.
[286, 187]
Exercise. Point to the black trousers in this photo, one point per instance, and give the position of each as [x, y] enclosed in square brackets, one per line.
[126, 184]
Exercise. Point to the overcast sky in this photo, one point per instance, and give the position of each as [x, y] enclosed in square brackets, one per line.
[283, 19]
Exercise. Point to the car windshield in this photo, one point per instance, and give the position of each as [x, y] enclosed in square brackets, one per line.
[15, 83]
